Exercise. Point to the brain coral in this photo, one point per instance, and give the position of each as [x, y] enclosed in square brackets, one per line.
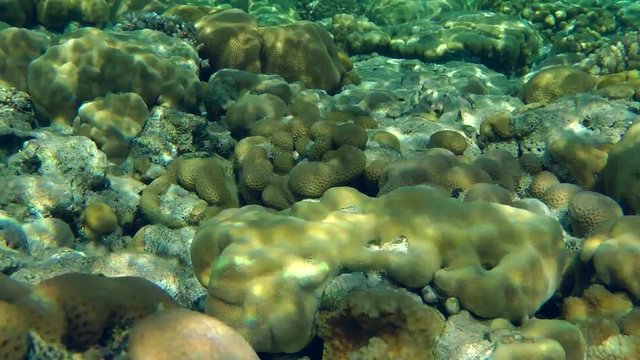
[88, 63]
[76, 310]
[303, 51]
[551, 83]
[265, 271]
[592, 213]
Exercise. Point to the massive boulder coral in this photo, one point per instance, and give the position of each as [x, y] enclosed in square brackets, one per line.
[17, 12]
[265, 271]
[56, 14]
[112, 122]
[18, 48]
[230, 40]
[622, 172]
[613, 255]
[75, 310]
[184, 334]
[551, 83]
[391, 12]
[302, 51]
[89, 63]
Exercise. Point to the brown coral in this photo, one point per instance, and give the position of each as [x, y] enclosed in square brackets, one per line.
[380, 324]
[592, 213]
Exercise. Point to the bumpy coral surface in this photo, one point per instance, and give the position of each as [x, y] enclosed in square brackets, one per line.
[89, 63]
[265, 279]
[549, 84]
[75, 310]
[622, 172]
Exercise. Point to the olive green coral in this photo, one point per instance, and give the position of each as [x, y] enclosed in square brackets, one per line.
[622, 172]
[257, 264]
[303, 51]
[230, 39]
[501, 42]
[592, 213]
[89, 63]
[18, 48]
[551, 83]
[448, 139]
[76, 310]
[211, 179]
[112, 122]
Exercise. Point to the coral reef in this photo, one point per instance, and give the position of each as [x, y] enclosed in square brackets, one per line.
[244, 255]
[445, 179]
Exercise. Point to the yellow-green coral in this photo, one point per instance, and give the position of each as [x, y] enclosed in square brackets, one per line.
[210, 178]
[257, 264]
[303, 51]
[89, 63]
[622, 172]
[56, 14]
[249, 109]
[613, 255]
[585, 157]
[230, 39]
[112, 122]
[18, 48]
[98, 219]
[592, 213]
[76, 309]
[448, 139]
[551, 83]
[18, 13]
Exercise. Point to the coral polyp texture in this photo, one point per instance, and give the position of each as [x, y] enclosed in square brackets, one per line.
[303, 51]
[265, 278]
[75, 310]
